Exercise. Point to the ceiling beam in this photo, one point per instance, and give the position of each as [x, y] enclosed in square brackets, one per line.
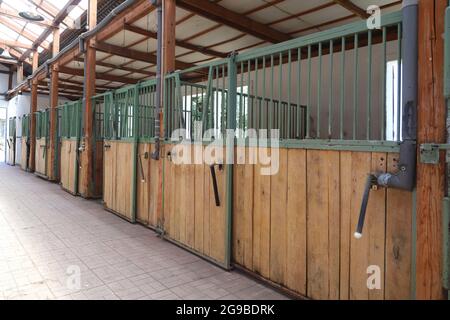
[134, 54]
[119, 67]
[232, 19]
[128, 16]
[56, 22]
[13, 26]
[353, 8]
[9, 61]
[99, 76]
[16, 44]
[180, 43]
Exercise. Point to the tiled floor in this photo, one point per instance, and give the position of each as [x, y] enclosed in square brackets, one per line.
[48, 238]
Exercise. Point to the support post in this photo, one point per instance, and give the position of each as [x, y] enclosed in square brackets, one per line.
[431, 129]
[168, 65]
[52, 151]
[86, 189]
[33, 109]
[19, 72]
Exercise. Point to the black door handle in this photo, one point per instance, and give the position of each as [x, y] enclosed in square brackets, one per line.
[214, 181]
[370, 182]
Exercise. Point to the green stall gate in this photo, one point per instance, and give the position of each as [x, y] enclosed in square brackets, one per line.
[70, 133]
[311, 118]
[11, 141]
[25, 142]
[42, 161]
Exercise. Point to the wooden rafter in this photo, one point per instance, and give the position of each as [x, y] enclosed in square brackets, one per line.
[134, 54]
[56, 21]
[179, 43]
[28, 35]
[232, 19]
[124, 68]
[350, 6]
[16, 44]
[99, 76]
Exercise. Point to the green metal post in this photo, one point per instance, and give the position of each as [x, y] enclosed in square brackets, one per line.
[231, 124]
[135, 151]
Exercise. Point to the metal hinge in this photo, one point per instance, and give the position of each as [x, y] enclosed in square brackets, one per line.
[429, 152]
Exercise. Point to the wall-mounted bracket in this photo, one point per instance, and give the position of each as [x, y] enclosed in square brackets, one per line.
[429, 152]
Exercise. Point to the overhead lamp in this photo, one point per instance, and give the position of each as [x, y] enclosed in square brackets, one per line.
[31, 15]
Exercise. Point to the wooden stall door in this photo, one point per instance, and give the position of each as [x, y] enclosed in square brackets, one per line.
[191, 216]
[23, 158]
[41, 157]
[118, 178]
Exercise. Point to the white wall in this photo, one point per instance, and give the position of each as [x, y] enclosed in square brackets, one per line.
[20, 105]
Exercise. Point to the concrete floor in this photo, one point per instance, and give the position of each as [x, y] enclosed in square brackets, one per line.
[48, 238]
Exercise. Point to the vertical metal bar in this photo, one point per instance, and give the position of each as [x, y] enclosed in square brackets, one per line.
[249, 103]
[308, 108]
[289, 95]
[399, 80]
[272, 108]
[383, 88]
[319, 88]
[330, 96]
[281, 126]
[299, 88]
[369, 86]
[263, 97]
[255, 99]
[355, 84]
[341, 107]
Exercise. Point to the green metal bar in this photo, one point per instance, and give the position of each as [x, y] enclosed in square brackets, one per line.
[299, 88]
[399, 79]
[330, 95]
[342, 105]
[231, 124]
[288, 136]
[280, 90]
[308, 108]
[272, 108]
[207, 100]
[383, 87]
[319, 89]
[255, 111]
[369, 86]
[135, 153]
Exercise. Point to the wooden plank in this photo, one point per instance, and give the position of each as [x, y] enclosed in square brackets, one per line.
[200, 202]
[189, 210]
[109, 180]
[143, 185]
[323, 209]
[155, 218]
[217, 217]
[278, 228]
[333, 224]
[239, 186]
[376, 224]
[398, 240]
[431, 129]
[261, 221]
[359, 255]
[248, 213]
[347, 228]
[296, 221]
[208, 201]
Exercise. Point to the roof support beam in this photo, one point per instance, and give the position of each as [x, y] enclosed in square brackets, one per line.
[350, 6]
[13, 26]
[16, 44]
[58, 19]
[134, 54]
[12, 14]
[118, 67]
[179, 43]
[87, 154]
[99, 76]
[232, 19]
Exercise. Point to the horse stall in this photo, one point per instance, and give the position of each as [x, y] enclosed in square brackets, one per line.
[24, 141]
[70, 129]
[286, 209]
[11, 141]
[129, 187]
[42, 143]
